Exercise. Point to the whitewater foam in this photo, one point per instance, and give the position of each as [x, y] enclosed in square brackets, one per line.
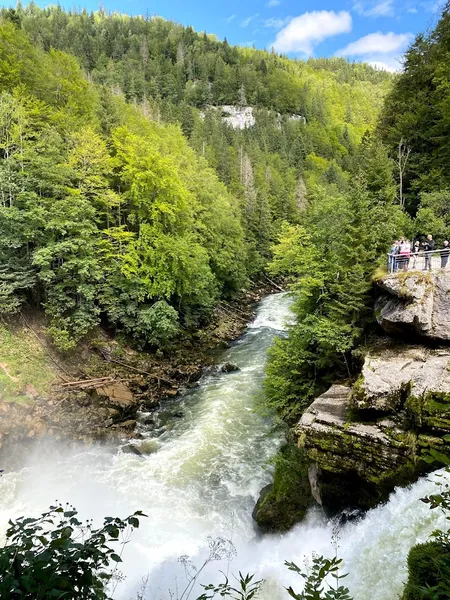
[203, 480]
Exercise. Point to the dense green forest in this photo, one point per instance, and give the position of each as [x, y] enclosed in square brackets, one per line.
[331, 257]
[416, 113]
[417, 116]
[128, 201]
[126, 198]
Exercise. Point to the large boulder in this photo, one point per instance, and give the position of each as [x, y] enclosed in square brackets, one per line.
[116, 393]
[415, 304]
[349, 458]
[284, 502]
[394, 374]
[362, 441]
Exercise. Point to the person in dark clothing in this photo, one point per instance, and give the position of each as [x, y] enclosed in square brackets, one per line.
[445, 252]
[391, 257]
[429, 245]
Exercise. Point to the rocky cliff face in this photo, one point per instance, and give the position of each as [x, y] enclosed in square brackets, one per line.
[415, 304]
[243, 117]
[393, 423]
[364, 440]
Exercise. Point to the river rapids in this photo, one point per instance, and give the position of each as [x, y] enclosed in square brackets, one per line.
[210, 458]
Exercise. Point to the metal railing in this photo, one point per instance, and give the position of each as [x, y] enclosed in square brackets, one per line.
[424, 260]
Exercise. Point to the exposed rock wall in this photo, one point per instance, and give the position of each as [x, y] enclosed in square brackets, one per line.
[416, 304]
[364, 440]
[243, 117]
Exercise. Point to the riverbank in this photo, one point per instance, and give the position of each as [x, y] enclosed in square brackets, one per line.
[94, 393]
[202, 479]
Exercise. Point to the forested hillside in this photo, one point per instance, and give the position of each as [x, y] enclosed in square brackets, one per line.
[104, 213]
[417, 116]
[126, 198]
[310, 116]
[121, 200]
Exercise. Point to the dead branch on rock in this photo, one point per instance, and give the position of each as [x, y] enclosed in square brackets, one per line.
[88, 384]
[131, 368]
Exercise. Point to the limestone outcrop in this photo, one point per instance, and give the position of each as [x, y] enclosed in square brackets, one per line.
[415, 304]
[335, 443]
[364, 440]
[393, 423]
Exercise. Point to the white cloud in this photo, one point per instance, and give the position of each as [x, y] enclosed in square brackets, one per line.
[371, 8]
[230, 18]
[381, 50]
[304, 32]
[273, 3]
[246, 22]
[430, 6]
[275, 23]
[377, 43]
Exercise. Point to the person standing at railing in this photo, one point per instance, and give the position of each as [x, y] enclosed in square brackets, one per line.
[404, 254]
[415, 252]
[445, 252]
[428, 246]
[392, 264]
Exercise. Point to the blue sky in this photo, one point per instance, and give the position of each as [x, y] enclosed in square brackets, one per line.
[375, 31]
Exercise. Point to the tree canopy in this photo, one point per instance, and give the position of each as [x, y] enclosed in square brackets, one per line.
[125, 198]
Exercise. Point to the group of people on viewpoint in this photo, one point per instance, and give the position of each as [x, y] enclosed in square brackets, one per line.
[403, 253]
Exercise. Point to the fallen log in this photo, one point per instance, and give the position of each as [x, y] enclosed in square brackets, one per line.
[275, 285]
[87, 383]
[127, 366]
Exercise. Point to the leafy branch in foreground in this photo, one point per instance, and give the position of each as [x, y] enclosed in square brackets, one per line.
[58, 556]
[316, 585]
[246, 591]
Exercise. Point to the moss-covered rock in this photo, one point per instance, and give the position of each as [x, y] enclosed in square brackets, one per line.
[283, 503]
[365, 441]
[430, 410]
[394, 372]
[372, 450]
[428, 566]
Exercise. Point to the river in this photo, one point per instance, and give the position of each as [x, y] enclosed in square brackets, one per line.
[210, 457]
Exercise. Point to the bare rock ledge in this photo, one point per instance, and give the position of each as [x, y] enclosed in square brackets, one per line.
[415, 304]
[362, 441]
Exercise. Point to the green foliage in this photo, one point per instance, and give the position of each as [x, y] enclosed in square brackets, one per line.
[133, 226]
[428, 572]
[109, 209]
[317, 587]
[310, 116]
[329, 260]
[433, 214]
[289, 497]
[58, 556]
[157, 324]
[417, 112]
[246, 591]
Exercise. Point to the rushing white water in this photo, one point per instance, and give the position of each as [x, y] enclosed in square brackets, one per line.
[203, 479]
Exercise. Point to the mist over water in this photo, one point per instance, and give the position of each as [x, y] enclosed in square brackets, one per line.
[204, 478]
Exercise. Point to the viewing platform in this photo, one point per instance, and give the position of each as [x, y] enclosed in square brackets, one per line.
[434, 260]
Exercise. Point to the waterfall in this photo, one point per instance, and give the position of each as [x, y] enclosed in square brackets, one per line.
[203, 478]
